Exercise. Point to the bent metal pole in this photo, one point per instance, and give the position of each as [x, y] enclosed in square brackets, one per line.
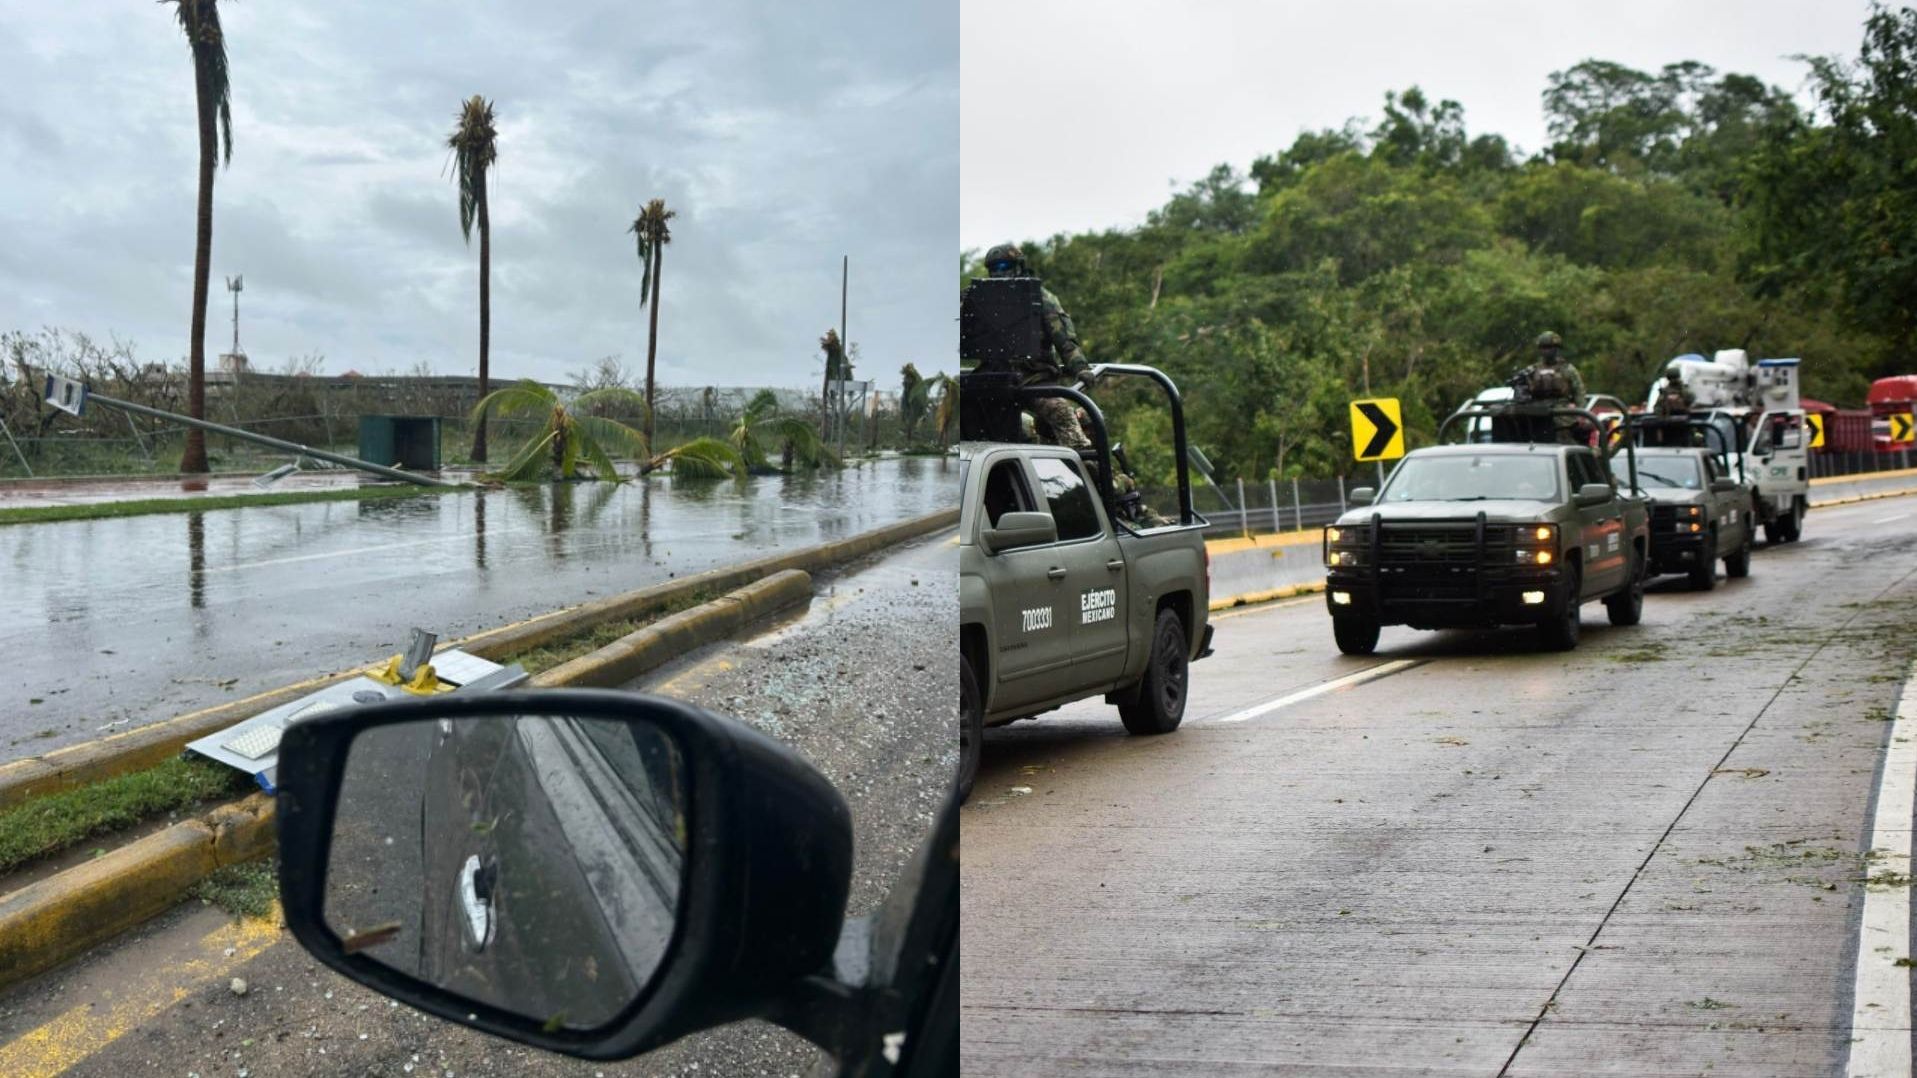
[265, 440]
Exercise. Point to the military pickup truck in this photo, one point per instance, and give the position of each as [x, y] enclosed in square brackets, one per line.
[1701, 510]
[1512, 532]
[1058, 602]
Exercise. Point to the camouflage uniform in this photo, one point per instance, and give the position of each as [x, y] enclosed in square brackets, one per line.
[1063, 362]
[1553, 379]
[1675, 399]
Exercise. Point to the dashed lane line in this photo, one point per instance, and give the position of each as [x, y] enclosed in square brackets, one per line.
[1373, 673]
[1880, 1018]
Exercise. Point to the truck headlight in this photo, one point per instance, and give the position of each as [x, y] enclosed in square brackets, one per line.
[1344, 546]
[1529, 556]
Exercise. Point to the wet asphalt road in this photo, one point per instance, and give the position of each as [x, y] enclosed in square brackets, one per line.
[862, 683]
[1643, 857]
[110, 624]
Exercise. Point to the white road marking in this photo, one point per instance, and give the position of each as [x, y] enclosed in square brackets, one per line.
[1880, 1007]
[1385, 669]
[1887, 520]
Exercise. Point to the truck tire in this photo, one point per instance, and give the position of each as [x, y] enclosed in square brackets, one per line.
[1560, 631]
[1704, 569]
[1160, 703]
[971, 729]
[1774, 531]
[1627, 607]
[1793, 522]
[1737, 564]
[1356, 632]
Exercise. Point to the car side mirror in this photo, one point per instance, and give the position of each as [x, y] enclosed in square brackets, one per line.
[1015, 530]
[589, 872]
[1724, 485]
[1361, 495]
[1594, 494]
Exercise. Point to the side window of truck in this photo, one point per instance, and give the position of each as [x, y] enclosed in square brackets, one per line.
[1005, 491]
[1068, 497]
[1585, 469]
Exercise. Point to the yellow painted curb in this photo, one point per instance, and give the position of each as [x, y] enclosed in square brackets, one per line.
[48, 922]
[1257, 542]
[1251, 597]
[668, 638]
[1899, 473]
[1871, 497]
[76, 765]
[45, 923]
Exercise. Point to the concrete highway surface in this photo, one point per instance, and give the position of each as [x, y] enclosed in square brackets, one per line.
[1465, 855]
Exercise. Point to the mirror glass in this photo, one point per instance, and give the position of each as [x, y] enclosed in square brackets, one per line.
[533, 863]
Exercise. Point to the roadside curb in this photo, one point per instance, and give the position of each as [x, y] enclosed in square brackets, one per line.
[1871, 497]
[654, 645]
[76, 765]
[46, 923]
[1253, 598]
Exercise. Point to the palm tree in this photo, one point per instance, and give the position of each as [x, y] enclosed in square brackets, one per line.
[571, 434]
[652, 234]
[834, 359]
[914, 397]
[947, 413]
[762, 422]
[474, 144]
[213, 98]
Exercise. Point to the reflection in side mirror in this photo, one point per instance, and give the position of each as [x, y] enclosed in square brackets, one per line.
[1361, 495]
[1015, 530]
[1594, 494]
[531, 862]
[590, 872]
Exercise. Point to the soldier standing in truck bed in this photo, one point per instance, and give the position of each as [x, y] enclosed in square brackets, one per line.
[1060, 363]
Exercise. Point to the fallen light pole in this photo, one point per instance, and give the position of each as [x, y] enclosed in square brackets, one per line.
[72, 397]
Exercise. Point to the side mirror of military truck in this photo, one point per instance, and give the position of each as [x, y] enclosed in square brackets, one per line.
[1015, 530]
[1724, 485]
[599, 873]
[1594, 494]
[1361, 495]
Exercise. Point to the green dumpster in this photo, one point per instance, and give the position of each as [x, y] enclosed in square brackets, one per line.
[400, 441]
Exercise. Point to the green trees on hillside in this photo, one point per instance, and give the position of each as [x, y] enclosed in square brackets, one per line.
[1675, 211]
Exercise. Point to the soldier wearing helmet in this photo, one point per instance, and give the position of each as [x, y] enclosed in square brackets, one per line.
[1674, 398]
[1063, 360]
[1552, 379]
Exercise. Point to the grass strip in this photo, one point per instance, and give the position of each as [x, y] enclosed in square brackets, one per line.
[46, 514]
[60, 821]
[244, 890]
[563, 651]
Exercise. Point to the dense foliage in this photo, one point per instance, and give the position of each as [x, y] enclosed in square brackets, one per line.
[1677, 211]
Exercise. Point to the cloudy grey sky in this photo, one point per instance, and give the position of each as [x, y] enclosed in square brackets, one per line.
[1078, 114]
[784, 134]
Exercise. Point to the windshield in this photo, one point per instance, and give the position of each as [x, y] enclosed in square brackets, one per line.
[1474, 479]
[1666, 473]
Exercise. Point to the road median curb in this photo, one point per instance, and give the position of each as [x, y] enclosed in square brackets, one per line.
[91, 761]
[654, 645]
[48, 922]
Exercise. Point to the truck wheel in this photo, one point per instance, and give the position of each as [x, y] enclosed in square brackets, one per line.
[1793, 524]
[1627, 607]
[1704, 569]
[1560, 633]
[1773, 532]
[1356, 632]
[971, 729]
[1737, 565]
[1160, 704]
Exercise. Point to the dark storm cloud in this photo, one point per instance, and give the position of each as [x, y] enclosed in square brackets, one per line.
[784, 136]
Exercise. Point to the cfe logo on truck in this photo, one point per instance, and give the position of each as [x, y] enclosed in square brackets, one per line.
[1099, 605]
[1377, 429]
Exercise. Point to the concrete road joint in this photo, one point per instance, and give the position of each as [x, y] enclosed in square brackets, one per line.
[1880, 1019]
[1638, 873]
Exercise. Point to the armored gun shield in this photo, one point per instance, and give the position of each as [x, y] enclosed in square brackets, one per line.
[1002, 322]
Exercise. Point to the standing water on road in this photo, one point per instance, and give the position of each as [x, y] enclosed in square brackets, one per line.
[116, 623]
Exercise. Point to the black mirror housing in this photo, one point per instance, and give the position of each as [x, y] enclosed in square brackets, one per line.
[1594, 494]
[768, 854]
[1015, 530]
[1361, 495]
